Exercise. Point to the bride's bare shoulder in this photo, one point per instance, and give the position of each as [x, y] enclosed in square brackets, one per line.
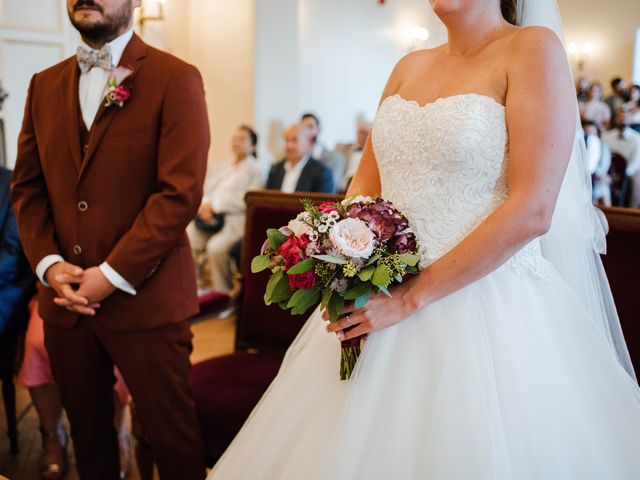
[529, 43]
[409, 66]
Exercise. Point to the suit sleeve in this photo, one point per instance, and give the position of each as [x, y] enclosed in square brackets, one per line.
[325, 180]
[181, 166]
[30, 195]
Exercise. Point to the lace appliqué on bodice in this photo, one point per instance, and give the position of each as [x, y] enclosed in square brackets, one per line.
[444, 166]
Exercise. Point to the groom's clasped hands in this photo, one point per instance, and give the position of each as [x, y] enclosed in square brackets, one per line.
[78, 290]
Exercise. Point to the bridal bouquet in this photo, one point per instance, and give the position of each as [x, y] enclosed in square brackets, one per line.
[334, 253]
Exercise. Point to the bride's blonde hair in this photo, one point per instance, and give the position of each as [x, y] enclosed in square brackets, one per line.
[510, 10]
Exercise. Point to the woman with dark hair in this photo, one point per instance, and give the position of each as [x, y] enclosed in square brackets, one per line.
[594, 109]
[503, 358]
[220, 221]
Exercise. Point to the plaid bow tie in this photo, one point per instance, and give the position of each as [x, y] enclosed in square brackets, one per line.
[87, 59]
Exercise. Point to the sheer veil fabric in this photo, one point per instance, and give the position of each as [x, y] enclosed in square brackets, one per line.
[577, 235]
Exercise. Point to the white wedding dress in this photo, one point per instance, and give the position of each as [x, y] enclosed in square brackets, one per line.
[504, 379]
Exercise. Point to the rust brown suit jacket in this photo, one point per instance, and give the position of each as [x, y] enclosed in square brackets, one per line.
[126, 195]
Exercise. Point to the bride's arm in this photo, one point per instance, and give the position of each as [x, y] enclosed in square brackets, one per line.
[541, 120]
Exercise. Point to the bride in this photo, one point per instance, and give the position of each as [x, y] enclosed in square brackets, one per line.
[504, 358]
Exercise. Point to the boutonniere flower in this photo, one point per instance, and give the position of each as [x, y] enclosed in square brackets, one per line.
[117, 94]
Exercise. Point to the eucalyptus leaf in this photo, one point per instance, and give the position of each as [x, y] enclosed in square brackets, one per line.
[326, 296]
[381, 277]
[385, 291]
[335, 307]
[358, 291]
[276, 238]
[282, 291]
[330, 259]
[302, 267]
[410, 259]
[373, 259]
[366, 273]
[362, 300]
[302, 299]
[271, 285]
[260, 263]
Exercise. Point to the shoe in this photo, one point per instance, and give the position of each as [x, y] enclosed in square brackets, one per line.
[53, 464]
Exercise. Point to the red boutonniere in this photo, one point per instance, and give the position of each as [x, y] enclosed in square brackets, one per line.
[117, 94]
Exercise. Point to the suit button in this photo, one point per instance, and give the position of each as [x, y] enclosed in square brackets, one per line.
[85, 148]
[83, 206]
[77, 249]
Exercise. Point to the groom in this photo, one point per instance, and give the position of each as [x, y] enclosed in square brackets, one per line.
[110, 167]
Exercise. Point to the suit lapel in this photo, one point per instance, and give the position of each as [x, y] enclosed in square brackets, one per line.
[303, 181]
[70, 109]
[131, 58]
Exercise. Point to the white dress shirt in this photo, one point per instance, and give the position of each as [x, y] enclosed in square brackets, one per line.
[292, 174]
[91, 93]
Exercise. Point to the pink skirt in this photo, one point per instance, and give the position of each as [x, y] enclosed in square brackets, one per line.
[36, 368]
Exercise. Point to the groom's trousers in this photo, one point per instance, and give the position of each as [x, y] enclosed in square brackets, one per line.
[155, 365]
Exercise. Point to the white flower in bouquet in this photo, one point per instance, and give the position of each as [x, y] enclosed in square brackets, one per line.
[353, 238]
[358, 199]
[300, 225]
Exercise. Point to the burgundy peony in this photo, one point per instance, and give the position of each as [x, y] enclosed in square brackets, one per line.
[381, 217]
[302, 280]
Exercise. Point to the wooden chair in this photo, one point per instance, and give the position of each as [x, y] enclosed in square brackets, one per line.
[227, 388]
[622, 264]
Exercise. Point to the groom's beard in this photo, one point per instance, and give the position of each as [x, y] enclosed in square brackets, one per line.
[108, 28]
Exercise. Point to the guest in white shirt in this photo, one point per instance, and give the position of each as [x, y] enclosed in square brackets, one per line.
[594, 109]
[331, 159]
[626, 142]
[353, 153]
[599, 160]
[299, 171]
[223, 205]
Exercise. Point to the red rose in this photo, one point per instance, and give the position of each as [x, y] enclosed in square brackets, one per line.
[304, 241]
[302, 281]
[291, 251]
[122, 93]
[327, 207]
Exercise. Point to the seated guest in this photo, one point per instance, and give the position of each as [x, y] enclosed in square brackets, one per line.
[331, 159]
[626, 142]
[599, 158]
[353, 153]
[618, 96]
[582, 89]
[633, 107]
[16, 278]
[299, 171]
[220, 221]
[594, 109]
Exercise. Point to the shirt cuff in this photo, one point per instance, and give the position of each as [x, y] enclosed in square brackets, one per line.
[116, 279]
[43, 266]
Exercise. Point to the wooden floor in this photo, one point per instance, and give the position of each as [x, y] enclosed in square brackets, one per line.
[212, 337]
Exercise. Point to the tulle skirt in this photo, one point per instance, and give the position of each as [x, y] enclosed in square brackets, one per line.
[504, 379]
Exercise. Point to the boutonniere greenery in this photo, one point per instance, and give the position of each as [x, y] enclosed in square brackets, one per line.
[117, 94]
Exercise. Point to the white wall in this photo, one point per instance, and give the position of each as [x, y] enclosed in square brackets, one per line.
[611, 26]
[331, 57]
[636, 60]
[28, 44]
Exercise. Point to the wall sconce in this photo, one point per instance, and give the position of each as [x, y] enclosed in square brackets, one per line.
[151, 11]
[580, 53]
[415, 37]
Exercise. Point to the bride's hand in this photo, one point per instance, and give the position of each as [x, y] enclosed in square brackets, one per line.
[379, 312]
